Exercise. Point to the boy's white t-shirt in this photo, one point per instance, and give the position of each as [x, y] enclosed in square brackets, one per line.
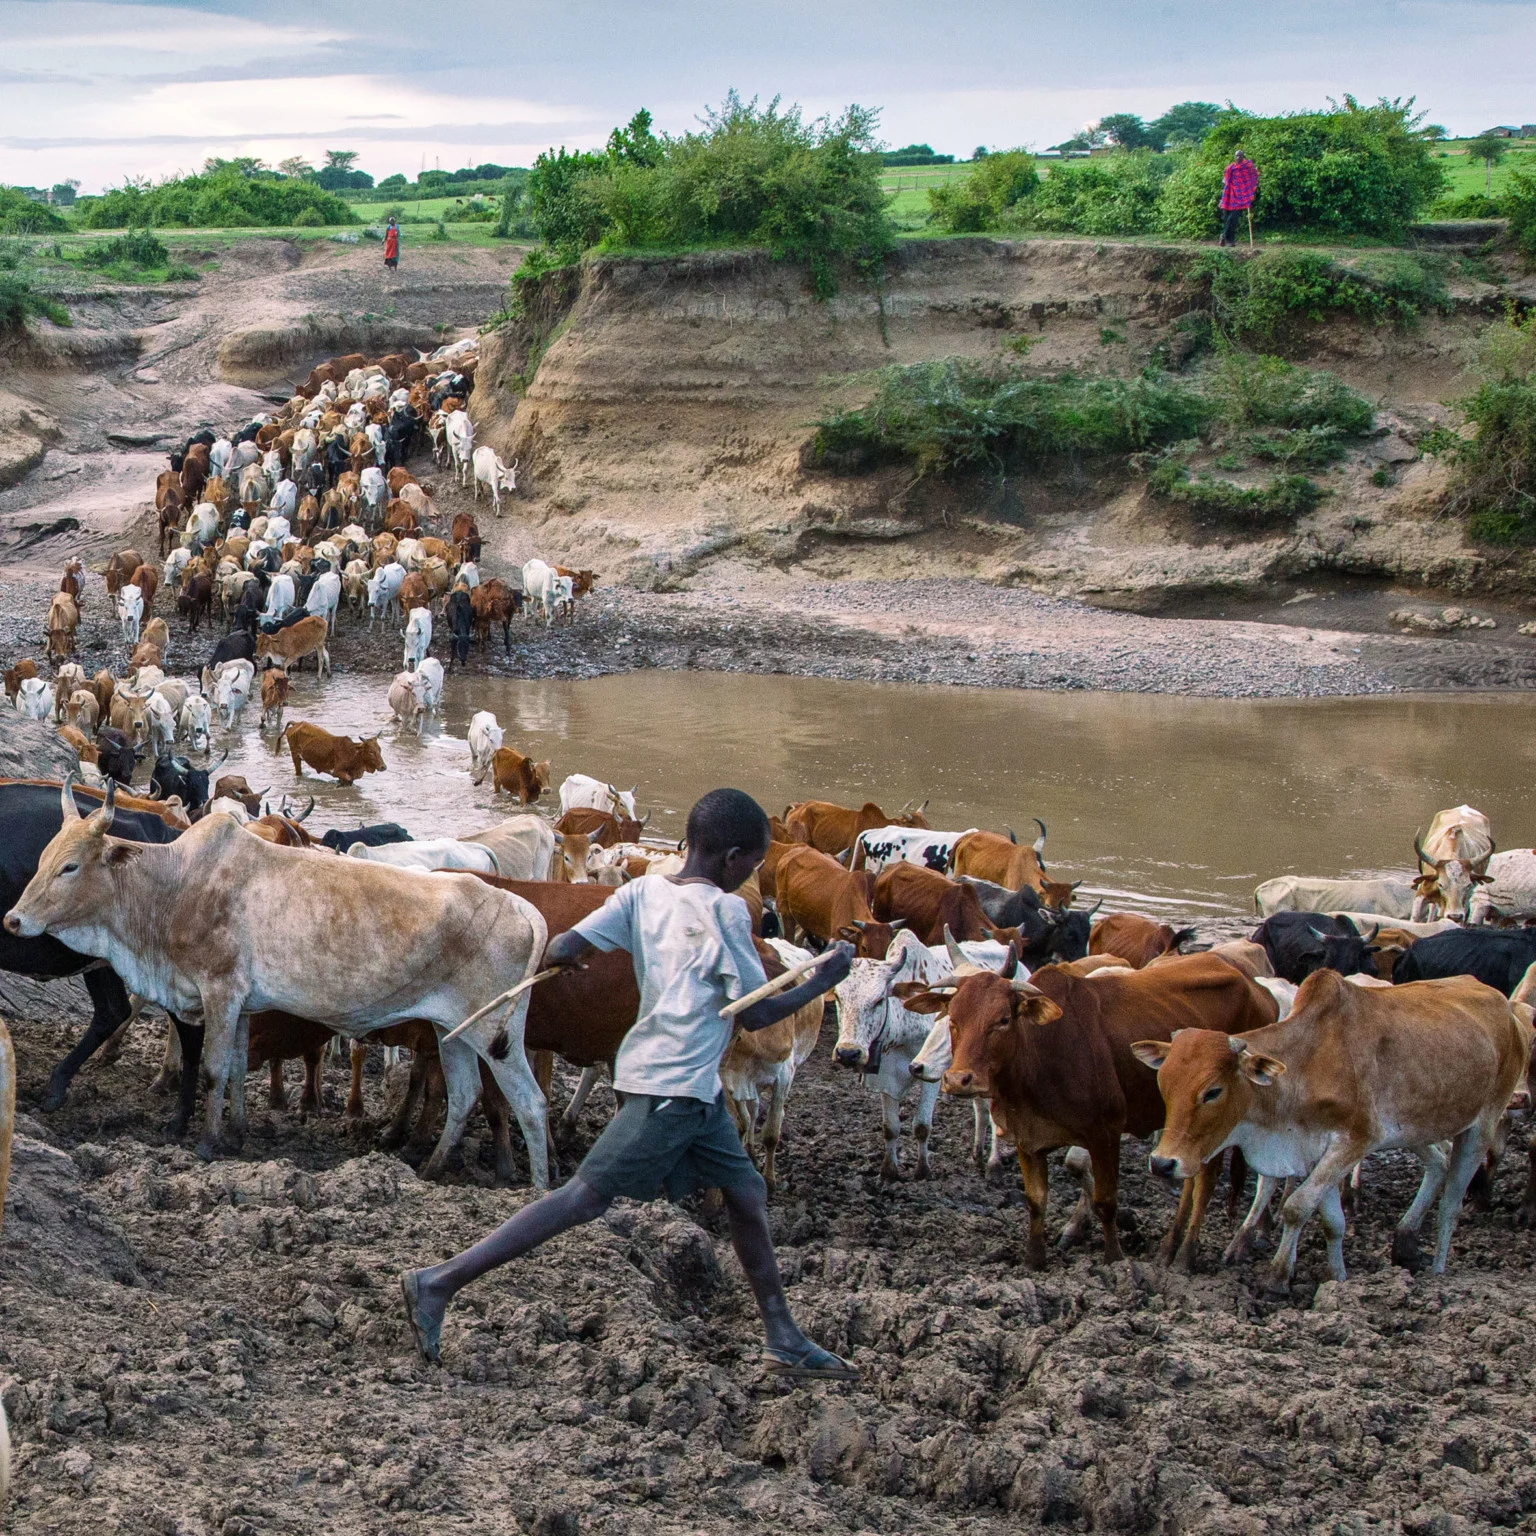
[693, 954]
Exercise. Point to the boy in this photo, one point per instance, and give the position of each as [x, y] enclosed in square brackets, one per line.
[692, 947]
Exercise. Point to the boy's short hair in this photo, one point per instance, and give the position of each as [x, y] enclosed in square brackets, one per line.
[727, 818]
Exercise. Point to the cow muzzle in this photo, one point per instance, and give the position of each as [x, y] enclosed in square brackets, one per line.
[850, 1055]
[16, 924]
[1163, 1167]
[963, 1085]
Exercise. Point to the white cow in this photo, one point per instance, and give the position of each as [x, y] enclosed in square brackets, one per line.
[220, 456]
[357, 417]
[1453, 858]
[194, 725]
[523, 846]
[280, 597]
[541, 585]
[430, 853]
[1304, 893]
[418, 636]
[302, 453]
[279, 530]
[34, 698]
[579, 792]
[405, 699]
[469, 574]
[130, 612]
[231, 690]
[375, 435]
[160, 717]
[494, 475]
[375, 490]
[1510, 888]
[175, 563]
[410, 553]
[355, 580]
[429, 674]
[868, 1016]
[485, 738]
[460, 433]
[324, 599]
[881, 847]
[203, 525]
[384, 592]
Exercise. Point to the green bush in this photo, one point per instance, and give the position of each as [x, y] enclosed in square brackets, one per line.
[1302, 448]
[138, 248]
[1475, 205]
[231, 195]
[1247, 390]
[18, 301]
[1265, 300]
[1519, 204]
[1352, 170]
[955, 415]
[752, 176]
[1116, 194]
[19, 215]
[996, 186]
[1284, 499]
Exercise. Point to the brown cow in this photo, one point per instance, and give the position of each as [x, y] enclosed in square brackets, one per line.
[397, 477]
[194, 474]
[275, 1038]
[288, 647]
[120, 569]
[218, 494]
[1054, 1055]
[603, 828]
[147, 579]
[1352, 1070]
[1137, 940]
[72, 582]
[400, 519]
[195, 599]
[414, 592]
[493, 602]
[928, 904]
[345, 759]
[274, 695]
[17, 675]
[582, 582]
[519, 775]
[570, 862]
[466, 537]
[1007, 862]
[170, 508]
[818, 896]
[235, 786]
[103, 685]
[63, 619]
[145, 654]
[285, 831]
[833, 829]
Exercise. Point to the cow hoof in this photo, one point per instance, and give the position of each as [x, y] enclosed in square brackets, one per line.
[1526, 1216]
[922, 1171]
[207, 1151]
[1405, 1250]
[165, 1082]
[1185, 1263]
[1034, 1254]
[54, 1097]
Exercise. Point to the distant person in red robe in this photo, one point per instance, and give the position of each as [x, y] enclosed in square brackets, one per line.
[392, 245]
[1239, 187]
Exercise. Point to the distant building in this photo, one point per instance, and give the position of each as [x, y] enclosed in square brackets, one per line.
[1528, 131]
[1504, 131]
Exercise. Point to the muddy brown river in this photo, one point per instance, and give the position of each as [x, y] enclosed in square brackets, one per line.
[1166, 804]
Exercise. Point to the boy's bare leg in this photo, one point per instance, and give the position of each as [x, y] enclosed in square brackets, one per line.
[572, 1205]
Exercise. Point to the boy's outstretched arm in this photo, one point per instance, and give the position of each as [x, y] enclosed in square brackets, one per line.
[566, 950]
[771, 1009]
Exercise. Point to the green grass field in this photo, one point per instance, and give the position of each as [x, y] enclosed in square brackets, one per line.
[1467, 176]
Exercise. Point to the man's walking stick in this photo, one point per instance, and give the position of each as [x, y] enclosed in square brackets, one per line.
[1250, 224]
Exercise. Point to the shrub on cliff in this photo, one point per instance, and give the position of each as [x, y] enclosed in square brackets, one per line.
[1350, 171]
[996, 187]
[753, 176]
[225, 195]
[1115, 195]
[1517, 202]
[20, 215]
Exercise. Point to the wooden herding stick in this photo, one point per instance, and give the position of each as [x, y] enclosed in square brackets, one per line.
[778, 984]
[1250, 225]
[511, 995]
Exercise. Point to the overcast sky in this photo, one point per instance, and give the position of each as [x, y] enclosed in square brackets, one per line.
[102, 90]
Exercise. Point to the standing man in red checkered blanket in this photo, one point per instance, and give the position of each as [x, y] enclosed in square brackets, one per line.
[1239, 187]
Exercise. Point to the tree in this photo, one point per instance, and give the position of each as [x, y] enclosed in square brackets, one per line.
[340, 159]
[1434, 131]
[636, 144]
[1183, 126]
[1125, 130]
[295, 165]
[63, 193]
[979, 153]
[1490, 149]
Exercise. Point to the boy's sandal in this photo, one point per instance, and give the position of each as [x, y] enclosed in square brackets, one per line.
[813, 1363]
[428, 1335]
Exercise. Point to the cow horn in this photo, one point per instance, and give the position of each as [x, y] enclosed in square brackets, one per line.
[1095, 907]
[857, 923]
[1317, 933]
[956, 954]
[1370, 938]
[906, 805]
[307, 809]
[108, 805]
[1012, 836]
[67, 799]
[223, 758]
[923, 807]
[1023, 986]
[1238, 1046]
[1040, 841]
[644, 819]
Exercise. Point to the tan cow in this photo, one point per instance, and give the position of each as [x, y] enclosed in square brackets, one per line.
[274, 695]
[518, 775]
[833, 829]
[343, 758]
[1352, 1070]
[1007, 862]
[1137, 940]
[63, 620]
[288, 647]
[380, 945]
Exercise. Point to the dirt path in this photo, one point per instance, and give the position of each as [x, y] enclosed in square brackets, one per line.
[218, 1349]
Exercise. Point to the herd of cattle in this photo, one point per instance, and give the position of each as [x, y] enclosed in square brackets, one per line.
[1324, 1037]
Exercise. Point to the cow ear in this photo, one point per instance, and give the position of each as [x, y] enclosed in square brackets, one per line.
[1260, 1069]
[122, 853]
[1151, 1053]
[919, 997]
[1038, 1009]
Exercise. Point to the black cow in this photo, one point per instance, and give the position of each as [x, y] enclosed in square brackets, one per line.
[248, 611]
[1048, 936]
[240, 646]
[375, 836]
[247, 434]
[1497, 957]
[115, 755]
[30, 818]
[239, 520]
[268, 561]
[461, 626]
[314, 478]
[177, 776]
[1299, 943]
[337, 459]
[284, 620]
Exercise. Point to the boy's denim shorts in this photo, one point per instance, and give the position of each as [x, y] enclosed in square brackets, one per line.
[673, 1145]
